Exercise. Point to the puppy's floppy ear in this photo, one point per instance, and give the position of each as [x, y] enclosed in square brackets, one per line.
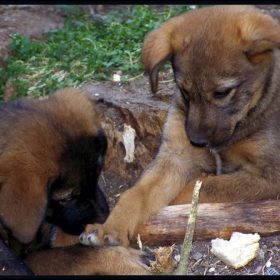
[159, 46]
[23, 203]
[260, 33]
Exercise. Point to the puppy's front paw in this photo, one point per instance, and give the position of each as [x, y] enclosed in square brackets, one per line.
[92, 235]
[97, 235]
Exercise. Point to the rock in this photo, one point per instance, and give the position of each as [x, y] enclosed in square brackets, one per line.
[258, 269]
[260, 255]
[130, 113]
[196, 256]
[238, 251]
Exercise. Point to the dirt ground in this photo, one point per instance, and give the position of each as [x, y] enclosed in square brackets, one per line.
[33, 21]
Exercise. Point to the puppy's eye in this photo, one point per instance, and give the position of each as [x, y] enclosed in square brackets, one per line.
[76, 194]
[64, 201]
[222, 94]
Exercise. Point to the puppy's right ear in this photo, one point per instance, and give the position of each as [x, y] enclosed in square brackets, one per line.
[158, 48]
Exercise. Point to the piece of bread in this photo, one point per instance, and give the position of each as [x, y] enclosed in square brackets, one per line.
[238, 251]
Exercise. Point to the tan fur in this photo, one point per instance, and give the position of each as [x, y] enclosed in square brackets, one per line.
[78, 260]
[63, 239]
[226, 65]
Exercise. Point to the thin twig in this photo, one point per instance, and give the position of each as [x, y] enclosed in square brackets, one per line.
[196, 263]
[187, 244]
[166, 81]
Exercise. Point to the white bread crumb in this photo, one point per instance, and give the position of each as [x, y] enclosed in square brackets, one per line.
[238, 251]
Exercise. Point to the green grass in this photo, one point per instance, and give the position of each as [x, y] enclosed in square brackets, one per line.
[88, 48]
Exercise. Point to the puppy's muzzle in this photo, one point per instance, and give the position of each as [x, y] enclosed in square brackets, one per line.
[198, 139]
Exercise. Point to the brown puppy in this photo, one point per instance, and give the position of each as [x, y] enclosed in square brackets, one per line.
[51, 155]
[224, 118]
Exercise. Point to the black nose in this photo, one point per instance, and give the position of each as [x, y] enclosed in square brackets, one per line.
[198, 144]
[198, 139]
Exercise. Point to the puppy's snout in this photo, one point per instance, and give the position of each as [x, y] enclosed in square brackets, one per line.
[199, 143]
[197, 139]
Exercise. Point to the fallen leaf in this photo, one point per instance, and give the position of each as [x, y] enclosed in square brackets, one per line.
[164, 263]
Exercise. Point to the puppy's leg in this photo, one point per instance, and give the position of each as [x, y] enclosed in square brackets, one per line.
[237, 186]
[62, 239]
[85, 260]
[250, 173]
[177, 163]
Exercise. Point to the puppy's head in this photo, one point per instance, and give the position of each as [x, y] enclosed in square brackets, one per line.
[223, 59]
[75, 197]
[50, 165]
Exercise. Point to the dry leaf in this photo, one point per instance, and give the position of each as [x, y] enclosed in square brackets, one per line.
[139, 242]
[164, 262]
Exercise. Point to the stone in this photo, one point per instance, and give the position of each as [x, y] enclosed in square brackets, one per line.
[132, 112]
[196, 256]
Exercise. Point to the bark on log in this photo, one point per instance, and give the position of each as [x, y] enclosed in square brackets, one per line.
[214, 220]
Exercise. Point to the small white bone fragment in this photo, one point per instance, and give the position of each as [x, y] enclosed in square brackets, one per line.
[128, 141]
[238, 251]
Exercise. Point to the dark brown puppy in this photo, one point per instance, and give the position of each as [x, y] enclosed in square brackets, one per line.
[52, 153]
[223, 119]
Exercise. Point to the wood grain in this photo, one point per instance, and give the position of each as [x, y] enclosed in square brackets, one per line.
[214, 220]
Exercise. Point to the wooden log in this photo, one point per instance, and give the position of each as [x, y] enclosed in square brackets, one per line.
[214, 220]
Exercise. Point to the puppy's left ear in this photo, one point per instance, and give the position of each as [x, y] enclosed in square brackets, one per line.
[159, 46]
[260, 34]
[23, 203]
